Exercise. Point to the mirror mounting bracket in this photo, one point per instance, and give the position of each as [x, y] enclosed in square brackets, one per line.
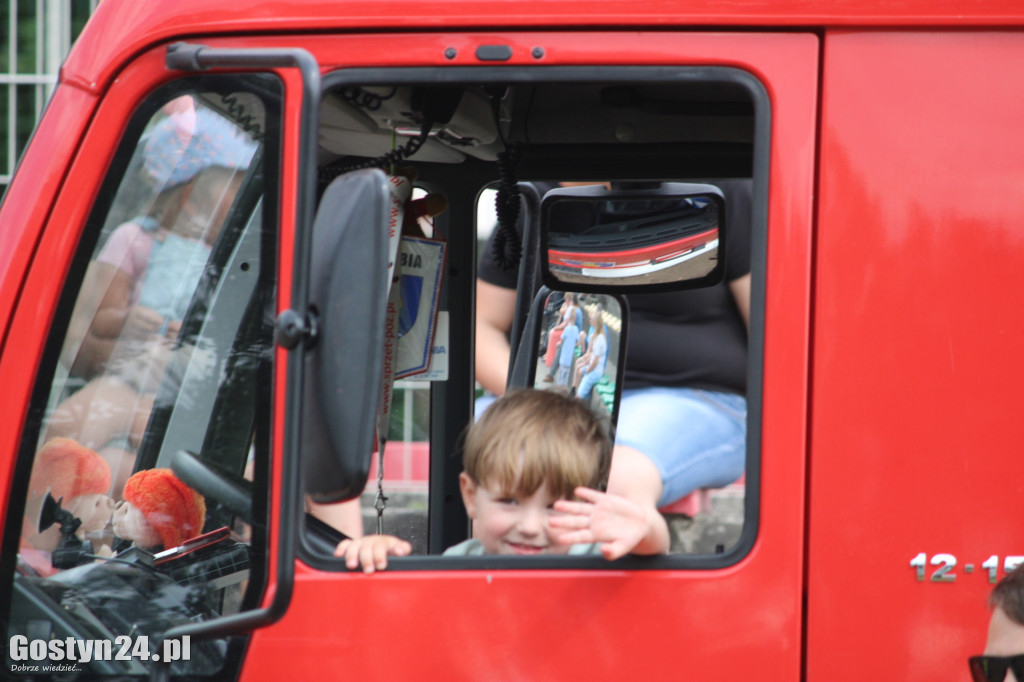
[293, 327]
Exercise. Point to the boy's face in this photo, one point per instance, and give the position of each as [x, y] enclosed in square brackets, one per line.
[510, 523]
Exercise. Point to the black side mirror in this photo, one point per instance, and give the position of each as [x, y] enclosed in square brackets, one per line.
[343, 369]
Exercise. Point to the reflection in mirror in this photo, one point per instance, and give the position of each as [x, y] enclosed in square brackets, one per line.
[581, 336]
[634, 237]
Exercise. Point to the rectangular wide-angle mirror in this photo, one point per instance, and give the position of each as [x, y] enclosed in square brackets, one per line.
[656, 236]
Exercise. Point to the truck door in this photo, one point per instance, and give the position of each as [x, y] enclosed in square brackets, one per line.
[734, 614]
[139, 373]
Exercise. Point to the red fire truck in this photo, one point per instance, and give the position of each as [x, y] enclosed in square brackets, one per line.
[882, 486]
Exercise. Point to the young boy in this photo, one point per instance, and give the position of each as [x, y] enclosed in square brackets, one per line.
[533, 466]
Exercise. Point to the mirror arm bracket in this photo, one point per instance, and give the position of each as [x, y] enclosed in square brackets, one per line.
[293, 327]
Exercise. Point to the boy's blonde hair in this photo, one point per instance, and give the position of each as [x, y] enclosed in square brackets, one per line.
[531, 437]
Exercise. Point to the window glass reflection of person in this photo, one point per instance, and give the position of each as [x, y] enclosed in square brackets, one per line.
[682, 422]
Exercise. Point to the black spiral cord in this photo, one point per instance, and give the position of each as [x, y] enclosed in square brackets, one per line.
[507, 248]
[236, 112]
[385, 161]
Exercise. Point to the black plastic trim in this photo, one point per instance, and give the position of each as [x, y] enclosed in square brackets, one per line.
[494, 53]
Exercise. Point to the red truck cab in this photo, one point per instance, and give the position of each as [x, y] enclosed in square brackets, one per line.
[882, 477]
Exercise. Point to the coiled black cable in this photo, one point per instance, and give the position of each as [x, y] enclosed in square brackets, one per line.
[507, 247]
[327, 174]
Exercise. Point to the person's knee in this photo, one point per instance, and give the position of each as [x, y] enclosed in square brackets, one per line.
[634, 475]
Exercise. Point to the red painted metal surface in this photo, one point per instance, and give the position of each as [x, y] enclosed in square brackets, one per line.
[31, 193]
[603, 625]
[916, 436]
[912, 389]
[121, 30]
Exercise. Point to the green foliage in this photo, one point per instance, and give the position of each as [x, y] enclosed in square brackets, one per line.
[22, 103]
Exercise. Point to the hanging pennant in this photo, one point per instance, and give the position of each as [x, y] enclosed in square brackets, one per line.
[421, 264]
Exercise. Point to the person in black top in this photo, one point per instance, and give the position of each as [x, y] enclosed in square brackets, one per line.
[682, 421]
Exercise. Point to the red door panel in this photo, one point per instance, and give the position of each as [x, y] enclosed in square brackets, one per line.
[915, 440]
[737, 623]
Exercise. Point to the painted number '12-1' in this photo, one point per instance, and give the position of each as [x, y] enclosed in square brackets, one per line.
[945, 564]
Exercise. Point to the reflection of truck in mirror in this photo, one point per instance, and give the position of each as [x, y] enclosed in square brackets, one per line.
[183, 292]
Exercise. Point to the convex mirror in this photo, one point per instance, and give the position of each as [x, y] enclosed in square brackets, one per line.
[574, 343]
[667, 236]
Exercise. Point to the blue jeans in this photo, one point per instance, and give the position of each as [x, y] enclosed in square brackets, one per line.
[695, 438]
[588, 381]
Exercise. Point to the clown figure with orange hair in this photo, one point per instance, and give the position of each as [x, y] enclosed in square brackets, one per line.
[79, 480]
[158, 511]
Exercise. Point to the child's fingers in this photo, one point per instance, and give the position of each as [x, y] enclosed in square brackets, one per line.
[570, 522]
[571, 507]
[368, 559]
[371, 552]
[379, 554]
[576, 537]
[614, 550]
[589, 494]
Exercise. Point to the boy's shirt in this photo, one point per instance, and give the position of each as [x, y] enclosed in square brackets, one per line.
[474, 547]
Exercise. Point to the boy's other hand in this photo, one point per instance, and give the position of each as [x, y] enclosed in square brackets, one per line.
[371, 551]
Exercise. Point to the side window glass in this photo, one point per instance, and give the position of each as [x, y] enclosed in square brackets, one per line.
[141, 510]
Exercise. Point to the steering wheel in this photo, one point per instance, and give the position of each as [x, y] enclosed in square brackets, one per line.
[214, 483]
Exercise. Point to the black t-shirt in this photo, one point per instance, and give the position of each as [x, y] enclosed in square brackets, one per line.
[694, 338]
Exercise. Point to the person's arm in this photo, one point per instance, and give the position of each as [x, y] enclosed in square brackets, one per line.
[621, 525]
[346, 516]
[371, 551]
[99, 317]
[740, 288]
[113, 318]
[599, 349]
[495, 308]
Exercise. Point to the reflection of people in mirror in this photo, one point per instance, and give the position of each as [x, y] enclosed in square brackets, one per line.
[682, 420]
[590, 366]
[569, 311]
[567, 350]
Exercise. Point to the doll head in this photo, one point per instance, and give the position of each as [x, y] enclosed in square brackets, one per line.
[76, 476]
[159, 510]
[68, 469]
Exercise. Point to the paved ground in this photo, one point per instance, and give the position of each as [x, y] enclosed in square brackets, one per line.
[710, 532]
